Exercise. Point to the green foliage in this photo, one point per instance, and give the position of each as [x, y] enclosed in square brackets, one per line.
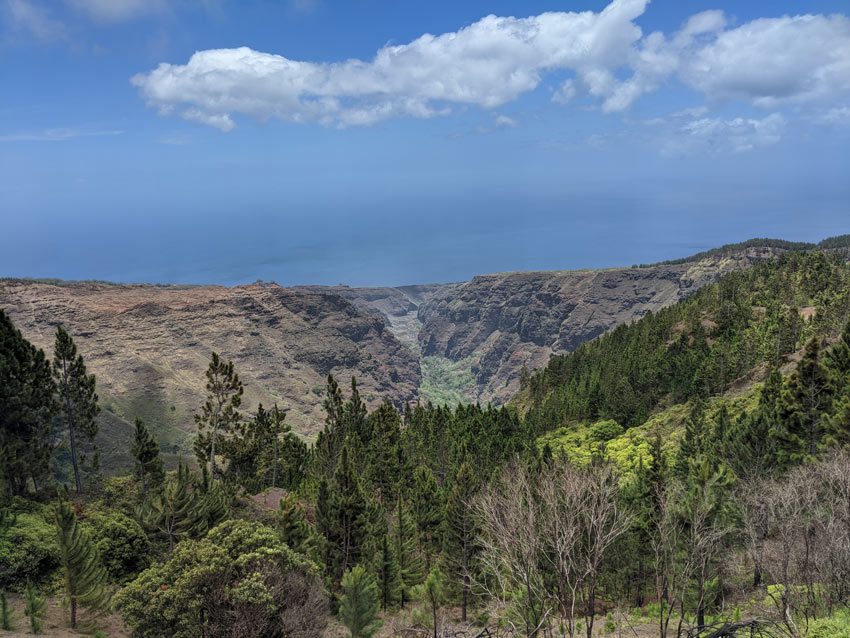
[461, 532]
[294, 528]
[219, 414]
[34, 608]
[342, 518]
[6, 616]
[78, 405]
[238, 580]
[447, 382]
[694, 348]
[84, 577]
[179, 510]
[121, 543]
[432, 594]
[26, 408]
[405, 547]
[359, 603]
[28, 551]
[145, 450]
[835, 626]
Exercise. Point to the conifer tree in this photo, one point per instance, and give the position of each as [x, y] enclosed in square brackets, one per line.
[807, 399]
[387, 571]
[384, 469]
[6, 620]
[752, 447]
[27, 406]
[693, 442]
[220, 412]
[84, 577]
[77, 399]
[177, 510]
[34, 608]
[428, 509]
[432, 594]
[359, 603]
[294, 529]
[461, 532]
[405, 548]
[145, 451]
[342, 518]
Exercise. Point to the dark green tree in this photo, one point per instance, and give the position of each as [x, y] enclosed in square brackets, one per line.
[342, 519]
[359, 603]
[461, 532]
[145, 451]
[84, 577]
[34, 608]
[807, 400]
[77, 400]
[220, 412]
[294, 528]
[178, 510]
[27, 406]
[405, 547]
[694, 440]
[428, 509]
[387, 572]
[751, 451]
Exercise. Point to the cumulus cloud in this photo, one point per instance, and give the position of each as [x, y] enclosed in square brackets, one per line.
[497, 59]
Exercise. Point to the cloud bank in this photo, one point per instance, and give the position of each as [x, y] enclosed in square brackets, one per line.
[767, 62]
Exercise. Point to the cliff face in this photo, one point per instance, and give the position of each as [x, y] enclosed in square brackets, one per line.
[150, 345]
[503, 322]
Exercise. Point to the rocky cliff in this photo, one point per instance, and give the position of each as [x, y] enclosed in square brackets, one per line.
[149, 347]
[501, 323]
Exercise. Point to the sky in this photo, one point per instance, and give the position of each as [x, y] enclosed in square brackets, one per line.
[389, 142]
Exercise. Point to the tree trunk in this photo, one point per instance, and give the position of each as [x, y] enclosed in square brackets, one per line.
[73, 613]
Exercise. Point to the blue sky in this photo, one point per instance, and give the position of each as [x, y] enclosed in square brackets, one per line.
[398, 142]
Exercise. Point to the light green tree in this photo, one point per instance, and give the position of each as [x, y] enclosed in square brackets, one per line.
[359, 603]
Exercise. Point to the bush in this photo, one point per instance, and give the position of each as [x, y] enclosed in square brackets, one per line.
[835, 626]
[240, 580]
[28, 552]
[121, 542]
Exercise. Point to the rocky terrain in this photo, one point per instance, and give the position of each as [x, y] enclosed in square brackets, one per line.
[500, 323]
[149, 345]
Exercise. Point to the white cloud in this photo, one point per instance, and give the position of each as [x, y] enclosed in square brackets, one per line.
[117, 10]
[771, 61]
[497, 59]
[32, 20]
[718, 136]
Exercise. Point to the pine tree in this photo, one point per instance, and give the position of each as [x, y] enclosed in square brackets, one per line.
[342, 518]
[34, 608]
[6, 620]
[145, 451]
[405, 548]
[77, 399]
[27, 406]
[220, 412]
[752, 448]
[432, 594]
[359, 603]
[428, 509]
[83, 573]
[693, 442]
[807, 399]
[177, 510]
[383, 468]
[461, 532]
[294, 529]
[387, 571]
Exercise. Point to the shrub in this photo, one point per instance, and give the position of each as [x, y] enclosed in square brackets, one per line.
[28, 552]
[121, 543]
[239, 580]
